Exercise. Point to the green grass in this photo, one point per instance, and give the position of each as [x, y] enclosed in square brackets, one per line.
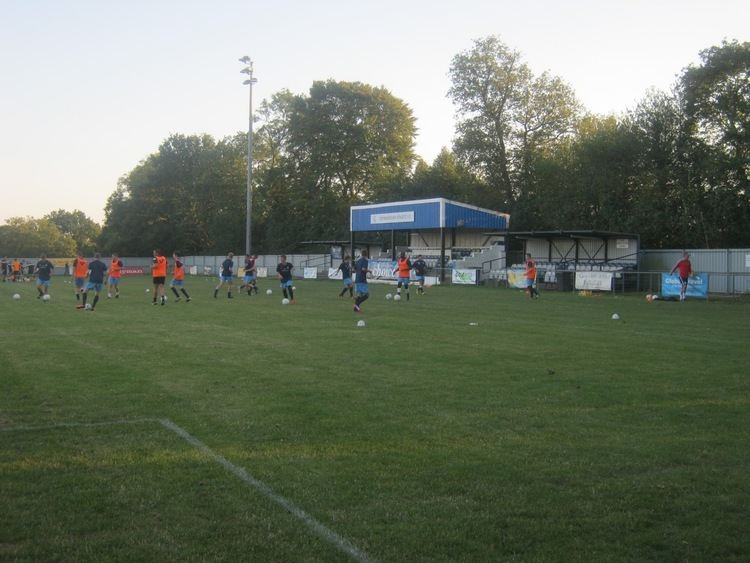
[547, 432]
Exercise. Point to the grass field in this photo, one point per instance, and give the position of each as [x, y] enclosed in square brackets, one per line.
[544, 432]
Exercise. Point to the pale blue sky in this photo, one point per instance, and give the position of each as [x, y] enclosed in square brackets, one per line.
[90, 88]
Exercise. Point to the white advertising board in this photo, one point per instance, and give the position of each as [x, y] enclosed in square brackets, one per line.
[596, 281]
[399, 217]
[464, 277]
[311, 273]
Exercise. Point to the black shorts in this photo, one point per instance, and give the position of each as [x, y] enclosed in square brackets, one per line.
[683, 281]
[160, 280]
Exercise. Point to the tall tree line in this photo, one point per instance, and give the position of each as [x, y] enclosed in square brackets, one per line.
[675, 169]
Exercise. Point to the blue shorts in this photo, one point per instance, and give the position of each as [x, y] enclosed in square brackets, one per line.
[362, 288]
[404, 281]
[529, 283]
[95, 286]
[177, 283]
[249, 279]
[44, 283]
[348, 282]
[80, 282]
[114, 281]
[225, 279]
[419, 278]
[287, 283]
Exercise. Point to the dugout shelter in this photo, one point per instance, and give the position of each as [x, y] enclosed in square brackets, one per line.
[435, 227]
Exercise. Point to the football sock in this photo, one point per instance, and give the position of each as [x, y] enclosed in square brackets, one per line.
[185, 293]
[177, 295]
[96, 300]
[229, 294]
[78, 296]
[291, 294]
[84, 298]
[216, 292]
[285, 293]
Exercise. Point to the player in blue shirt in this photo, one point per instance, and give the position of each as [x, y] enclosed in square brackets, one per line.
[346, 274]
[44, 270]
[249, 281]
[284, 270]
[97, 270]
[420, 269]
[360, 279]
[226, 276]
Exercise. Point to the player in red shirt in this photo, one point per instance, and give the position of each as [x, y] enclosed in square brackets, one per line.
[685, 269]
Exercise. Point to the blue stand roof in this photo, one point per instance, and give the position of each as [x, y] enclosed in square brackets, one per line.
[419, 214]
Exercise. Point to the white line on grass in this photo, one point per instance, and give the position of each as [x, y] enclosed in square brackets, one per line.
[341, 543]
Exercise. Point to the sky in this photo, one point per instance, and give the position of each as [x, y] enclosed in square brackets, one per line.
[88, 89]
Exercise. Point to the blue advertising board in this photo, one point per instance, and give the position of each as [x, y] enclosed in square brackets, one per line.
[697, 286]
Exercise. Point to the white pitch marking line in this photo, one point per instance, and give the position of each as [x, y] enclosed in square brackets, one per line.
[341, 543]
[323, 531]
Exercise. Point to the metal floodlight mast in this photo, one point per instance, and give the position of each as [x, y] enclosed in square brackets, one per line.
[249, 193]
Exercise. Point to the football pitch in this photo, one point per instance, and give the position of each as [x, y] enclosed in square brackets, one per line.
[469, 424]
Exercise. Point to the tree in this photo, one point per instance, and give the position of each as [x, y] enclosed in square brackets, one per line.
[27, 237]
[189, 196]
[83, 230]
[342, 144]
[716, 102]
[446, 177]
[506, 115]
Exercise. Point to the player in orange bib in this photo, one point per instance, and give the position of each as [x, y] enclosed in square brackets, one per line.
[403, 267]
[159, 275]
[17, 270]
[80, 271]
[531, 277]
[115, 273]
[178, 278]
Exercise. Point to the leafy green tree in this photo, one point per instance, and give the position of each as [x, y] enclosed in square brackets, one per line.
[83, 230]
[716, 101]
[445, 177]
[342, 144]
[506, 116]
[188, 196]
[29, 237]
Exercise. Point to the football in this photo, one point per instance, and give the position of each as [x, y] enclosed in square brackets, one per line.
[45, 297]
[16, 296]
[269, 292]
[285, 301]
[389, 296]
[397, 297]
[88, 306]
[615, 317]
[360, 323]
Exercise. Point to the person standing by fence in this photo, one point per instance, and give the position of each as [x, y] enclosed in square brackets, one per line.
[685, 269]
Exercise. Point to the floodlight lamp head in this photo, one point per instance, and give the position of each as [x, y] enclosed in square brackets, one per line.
[247, 70]
[246, 60]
